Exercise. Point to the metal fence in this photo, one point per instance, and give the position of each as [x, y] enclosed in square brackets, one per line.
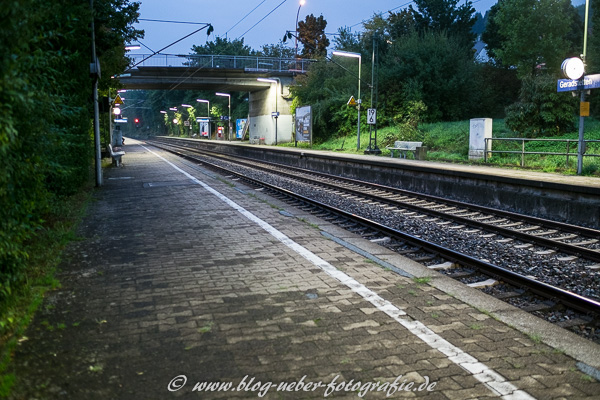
[247, 63]
[567, 153]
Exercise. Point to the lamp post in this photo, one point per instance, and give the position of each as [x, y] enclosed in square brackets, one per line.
[581, 141]
[207, 104]
[358, 100]
[302, 2]
[164, 119]
[207, 116]
[229, 117]
[95, 73]
[373, 148]
[277, 82]
[188, 120]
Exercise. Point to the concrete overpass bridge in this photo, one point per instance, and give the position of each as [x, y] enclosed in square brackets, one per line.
[227, 74]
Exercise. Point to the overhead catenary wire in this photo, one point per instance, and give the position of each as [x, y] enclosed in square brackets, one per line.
[263, 18]
[166, 47]
[245, 16]
[172, 22]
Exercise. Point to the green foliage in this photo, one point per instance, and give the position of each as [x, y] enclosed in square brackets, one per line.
[224, 46]
[431, 67]
[45, 113]
[406, 124]
[445, 16]
[541, 110]
[534, 34]
[311, 33]
[278, 50]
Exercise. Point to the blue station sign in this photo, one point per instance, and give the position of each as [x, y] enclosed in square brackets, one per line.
[585, 83]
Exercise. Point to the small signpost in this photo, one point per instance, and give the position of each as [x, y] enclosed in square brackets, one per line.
[371, 116]
[586, 83]
[574, 68]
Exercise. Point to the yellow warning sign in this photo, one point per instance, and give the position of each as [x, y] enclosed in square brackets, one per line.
[584, 109]
[118, 101]
[351, 102]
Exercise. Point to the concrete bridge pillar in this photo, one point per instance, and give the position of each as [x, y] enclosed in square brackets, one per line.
[262, 106]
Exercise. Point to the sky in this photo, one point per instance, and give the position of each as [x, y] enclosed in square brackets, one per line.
[236, 19]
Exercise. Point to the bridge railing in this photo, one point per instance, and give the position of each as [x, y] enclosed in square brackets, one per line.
[248, 63]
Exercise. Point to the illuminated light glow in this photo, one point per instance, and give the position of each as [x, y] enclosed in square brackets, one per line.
[573, 68]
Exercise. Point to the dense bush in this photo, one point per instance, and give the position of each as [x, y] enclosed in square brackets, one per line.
[45, 111]
[540, 109]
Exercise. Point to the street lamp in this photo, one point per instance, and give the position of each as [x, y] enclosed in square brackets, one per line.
[229, 117]
[207, 115]
[302, 2]
[207, 106]
[276, 81]
[354, 55]
[188, 120]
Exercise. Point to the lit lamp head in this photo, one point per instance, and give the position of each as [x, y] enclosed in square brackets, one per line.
[573, 68]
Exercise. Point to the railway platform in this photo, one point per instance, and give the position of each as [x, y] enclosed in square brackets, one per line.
[186, 284]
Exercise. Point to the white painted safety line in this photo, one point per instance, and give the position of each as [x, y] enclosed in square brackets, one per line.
[495, 382]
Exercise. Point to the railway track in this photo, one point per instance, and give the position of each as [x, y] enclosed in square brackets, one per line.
[550, 247]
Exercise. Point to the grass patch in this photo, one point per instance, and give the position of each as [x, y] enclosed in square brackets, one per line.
[449, 142]
[207, 327]
[535, 338]
[422, 281]
[44, 254]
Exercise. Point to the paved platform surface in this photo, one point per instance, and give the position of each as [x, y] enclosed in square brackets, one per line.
[182, 278]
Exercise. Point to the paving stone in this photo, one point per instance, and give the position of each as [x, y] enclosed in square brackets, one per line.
[188, 286]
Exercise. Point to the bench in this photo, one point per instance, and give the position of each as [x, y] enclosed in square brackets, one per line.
[404, 147]
[115, 155]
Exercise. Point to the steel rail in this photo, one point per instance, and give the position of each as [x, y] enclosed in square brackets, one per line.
[568, 299]
[550, 243]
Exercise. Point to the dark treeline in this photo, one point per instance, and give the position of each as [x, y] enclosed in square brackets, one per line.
[46, 139]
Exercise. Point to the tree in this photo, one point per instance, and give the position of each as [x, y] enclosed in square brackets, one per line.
[445, 16]
[311, 33]
[224, 46]
[535, 34]
[491, 35]
[400, 24]
[432, 67]
[346, 41]
[114, 27]
[540, 109]
[46, 109]
[278, 50]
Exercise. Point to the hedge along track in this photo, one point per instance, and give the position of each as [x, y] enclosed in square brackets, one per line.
[419, 248]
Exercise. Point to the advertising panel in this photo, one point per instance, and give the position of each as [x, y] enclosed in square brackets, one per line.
[303, 124]
[240, 125]
[204, 124]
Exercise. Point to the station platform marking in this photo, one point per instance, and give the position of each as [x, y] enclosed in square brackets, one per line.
[494, 381]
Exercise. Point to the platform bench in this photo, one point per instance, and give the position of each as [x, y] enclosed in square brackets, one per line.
[115, 155]
[404, 147]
